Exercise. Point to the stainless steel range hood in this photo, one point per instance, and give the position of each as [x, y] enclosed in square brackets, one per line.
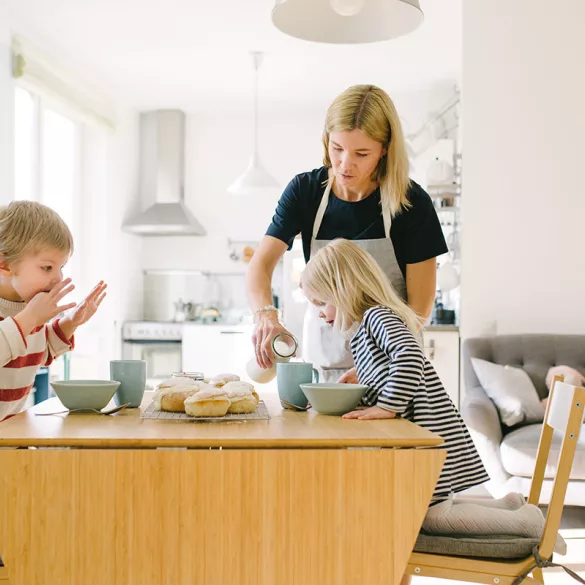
[162, 165]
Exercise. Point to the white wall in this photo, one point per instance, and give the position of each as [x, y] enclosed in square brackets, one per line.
[523, 249]
[109, 189]
[6, 112]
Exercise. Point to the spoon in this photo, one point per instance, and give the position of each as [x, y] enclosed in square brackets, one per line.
[110, 411]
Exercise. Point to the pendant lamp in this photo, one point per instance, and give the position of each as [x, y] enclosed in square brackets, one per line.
[255, 178]
[347, 21]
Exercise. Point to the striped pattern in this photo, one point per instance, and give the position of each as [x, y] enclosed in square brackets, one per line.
[390, 361]
[20, 356]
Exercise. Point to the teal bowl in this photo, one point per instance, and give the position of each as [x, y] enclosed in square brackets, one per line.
[85, 394]
[334, 398]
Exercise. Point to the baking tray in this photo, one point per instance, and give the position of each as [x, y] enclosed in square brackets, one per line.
[261, 413]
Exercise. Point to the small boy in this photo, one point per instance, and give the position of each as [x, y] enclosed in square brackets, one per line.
[35, 245]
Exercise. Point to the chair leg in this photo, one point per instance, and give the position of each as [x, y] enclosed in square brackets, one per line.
[537, 574]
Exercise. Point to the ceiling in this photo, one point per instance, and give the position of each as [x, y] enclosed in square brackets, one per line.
[194, 54]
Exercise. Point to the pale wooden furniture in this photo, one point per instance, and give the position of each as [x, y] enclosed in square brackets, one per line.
[564, 414]
[301, 498]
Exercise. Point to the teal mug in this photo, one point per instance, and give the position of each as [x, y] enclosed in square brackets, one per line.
[289, 377]
[132, 377]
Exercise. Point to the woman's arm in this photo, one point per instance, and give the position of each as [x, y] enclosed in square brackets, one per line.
[261, 269]
[259, 290]
[421, 283]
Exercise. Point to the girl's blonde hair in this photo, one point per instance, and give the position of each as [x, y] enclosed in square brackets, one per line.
[27, 227]
[370, 109]
[349, 278]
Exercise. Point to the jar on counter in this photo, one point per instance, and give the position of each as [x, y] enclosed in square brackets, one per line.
[284, 347]
[196, 376]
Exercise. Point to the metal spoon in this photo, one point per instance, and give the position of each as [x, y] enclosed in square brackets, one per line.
[291, 406]
[110, 411]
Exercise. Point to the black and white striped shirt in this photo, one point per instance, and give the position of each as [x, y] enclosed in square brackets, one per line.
[390, 361]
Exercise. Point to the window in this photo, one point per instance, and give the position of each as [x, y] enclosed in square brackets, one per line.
[47, 158]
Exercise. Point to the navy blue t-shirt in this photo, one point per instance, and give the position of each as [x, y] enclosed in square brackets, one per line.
[416, 233]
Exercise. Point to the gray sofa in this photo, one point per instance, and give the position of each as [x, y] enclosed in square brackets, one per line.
[509, 455]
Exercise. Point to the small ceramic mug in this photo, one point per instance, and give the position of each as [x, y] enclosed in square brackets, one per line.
[289, 377]
[132, 375]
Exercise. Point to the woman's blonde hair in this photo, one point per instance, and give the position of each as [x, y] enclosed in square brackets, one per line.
[370, 109]
[27, 227]
[349, 278]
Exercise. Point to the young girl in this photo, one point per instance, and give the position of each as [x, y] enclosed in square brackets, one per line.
[357, 299]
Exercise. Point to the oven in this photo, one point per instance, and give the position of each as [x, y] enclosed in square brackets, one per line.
[159, 344]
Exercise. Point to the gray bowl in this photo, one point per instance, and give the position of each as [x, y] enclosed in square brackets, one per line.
[85, 393]
[334, 398]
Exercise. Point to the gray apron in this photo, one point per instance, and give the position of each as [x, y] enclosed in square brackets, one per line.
[324, 347]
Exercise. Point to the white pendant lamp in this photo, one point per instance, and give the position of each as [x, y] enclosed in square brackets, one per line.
[256, 178]
[347, 21]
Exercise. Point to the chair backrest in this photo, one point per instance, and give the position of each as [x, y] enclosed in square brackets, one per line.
[564, 413]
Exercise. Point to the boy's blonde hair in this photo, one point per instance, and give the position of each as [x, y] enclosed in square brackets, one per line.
[370, 109]
[27, 227]
[349, 278]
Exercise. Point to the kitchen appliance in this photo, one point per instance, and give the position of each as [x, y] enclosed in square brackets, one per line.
[158, 344]
[162, 184]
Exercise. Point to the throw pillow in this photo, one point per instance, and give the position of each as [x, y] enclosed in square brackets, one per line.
[511, 390]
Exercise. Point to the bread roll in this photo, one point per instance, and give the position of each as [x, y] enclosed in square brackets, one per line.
[222, 379]
[241, 398]
[209, 402]
[170, 396]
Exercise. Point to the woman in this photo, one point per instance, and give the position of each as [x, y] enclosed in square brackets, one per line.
[362, 193]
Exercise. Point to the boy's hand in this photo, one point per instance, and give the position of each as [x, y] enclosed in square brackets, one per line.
[371, 413]
[44, 306]
[84, 311]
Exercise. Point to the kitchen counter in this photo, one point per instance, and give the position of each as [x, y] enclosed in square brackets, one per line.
[299, 499]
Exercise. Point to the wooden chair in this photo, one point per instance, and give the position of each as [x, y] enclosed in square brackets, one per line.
[564, 413]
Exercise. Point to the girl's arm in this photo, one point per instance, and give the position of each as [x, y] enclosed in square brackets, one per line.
[406, 357]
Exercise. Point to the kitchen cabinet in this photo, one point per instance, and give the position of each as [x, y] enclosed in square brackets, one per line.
[216, 349]
[442, 349]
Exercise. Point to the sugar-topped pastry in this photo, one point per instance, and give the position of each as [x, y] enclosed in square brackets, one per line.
[222, 379]
[209, 402]
[241, 397]
[171, 394]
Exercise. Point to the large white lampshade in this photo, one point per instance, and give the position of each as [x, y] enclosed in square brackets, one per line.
[347, 21]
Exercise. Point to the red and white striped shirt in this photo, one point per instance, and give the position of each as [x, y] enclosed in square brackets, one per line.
[20, 356]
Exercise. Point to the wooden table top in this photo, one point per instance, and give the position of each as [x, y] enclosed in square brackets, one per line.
[285, 429]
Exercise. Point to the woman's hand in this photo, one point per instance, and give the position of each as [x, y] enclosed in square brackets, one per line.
[267, 328]
[371, 413]
[350, 377]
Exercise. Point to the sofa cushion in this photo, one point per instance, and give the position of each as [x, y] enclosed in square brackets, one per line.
[518, 451]
[511, 390]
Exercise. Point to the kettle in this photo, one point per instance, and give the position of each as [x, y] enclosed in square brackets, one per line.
[181, 309]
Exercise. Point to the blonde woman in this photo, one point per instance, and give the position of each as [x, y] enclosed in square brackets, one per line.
[355, 298]
[362, 193]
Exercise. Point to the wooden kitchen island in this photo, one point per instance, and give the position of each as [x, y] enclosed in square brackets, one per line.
[301, 499]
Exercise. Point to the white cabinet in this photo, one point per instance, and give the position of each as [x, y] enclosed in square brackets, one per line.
[442, 350]
[216, 349]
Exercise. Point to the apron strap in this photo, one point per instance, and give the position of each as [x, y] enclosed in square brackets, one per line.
[322, 209]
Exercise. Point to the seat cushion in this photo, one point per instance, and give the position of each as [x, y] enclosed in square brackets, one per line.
[518, 452]
[488, 547]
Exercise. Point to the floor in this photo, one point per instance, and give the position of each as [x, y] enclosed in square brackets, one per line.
[573, 531]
